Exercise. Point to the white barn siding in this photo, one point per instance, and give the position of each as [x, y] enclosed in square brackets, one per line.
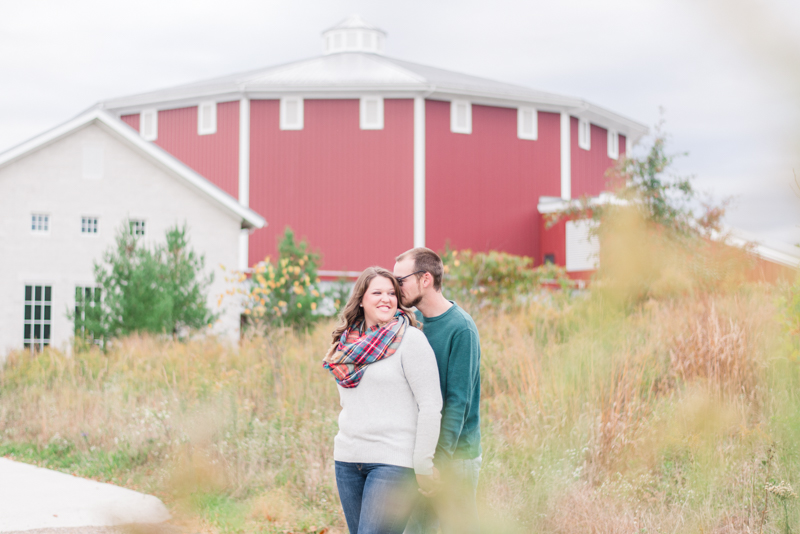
[51, 180]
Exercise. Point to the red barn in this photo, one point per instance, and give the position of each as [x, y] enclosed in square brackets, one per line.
[366, 156]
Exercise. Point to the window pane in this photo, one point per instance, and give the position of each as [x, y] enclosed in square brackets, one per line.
[291, 112]
[47, 313]
[37, 313]
[372, 112]
[38, 292]
[47, 293]
[461, 116]
[27, 331]
[37, 331]
[47, 332]
[28, 292]
[27, 312]
[97, 295]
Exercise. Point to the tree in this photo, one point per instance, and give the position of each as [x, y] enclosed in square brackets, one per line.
[661, 197]
[157, 290]
[283, 293]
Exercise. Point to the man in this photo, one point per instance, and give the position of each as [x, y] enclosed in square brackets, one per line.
[452, 334]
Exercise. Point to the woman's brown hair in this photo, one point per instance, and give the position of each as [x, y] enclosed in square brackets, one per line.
[353, 313]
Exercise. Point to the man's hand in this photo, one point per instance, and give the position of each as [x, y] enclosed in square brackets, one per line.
[429, 484]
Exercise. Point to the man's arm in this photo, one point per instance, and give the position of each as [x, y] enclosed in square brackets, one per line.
[462, 367]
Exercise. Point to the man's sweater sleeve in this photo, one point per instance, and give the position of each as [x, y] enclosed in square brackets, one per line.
[462, 367]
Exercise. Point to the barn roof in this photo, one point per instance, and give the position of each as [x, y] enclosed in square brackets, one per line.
[249, 218]
[351, 74]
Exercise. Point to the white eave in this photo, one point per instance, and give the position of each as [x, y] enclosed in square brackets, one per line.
[783, 255]
[352, 74]
[249, 218]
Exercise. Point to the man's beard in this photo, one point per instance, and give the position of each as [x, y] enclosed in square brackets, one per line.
[413, 303]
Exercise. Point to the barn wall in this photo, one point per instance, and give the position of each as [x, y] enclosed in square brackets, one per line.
[131, 120]
[589, 166]
[51, 181]
[348, 191]
[482, 188]
[215, 156]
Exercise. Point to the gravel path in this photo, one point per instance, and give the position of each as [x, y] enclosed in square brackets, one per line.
[34, 499]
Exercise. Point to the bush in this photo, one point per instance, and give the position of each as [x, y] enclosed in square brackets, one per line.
[496, 279]
[157, 290]
[284, 293]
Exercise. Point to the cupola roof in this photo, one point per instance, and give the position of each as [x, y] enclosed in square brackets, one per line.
[353, 34]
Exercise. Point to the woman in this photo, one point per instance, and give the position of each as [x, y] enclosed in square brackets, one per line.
[391, 406]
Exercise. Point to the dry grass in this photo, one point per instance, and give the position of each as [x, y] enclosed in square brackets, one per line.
[666, 415]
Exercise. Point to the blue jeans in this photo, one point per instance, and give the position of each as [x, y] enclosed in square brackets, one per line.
[376, 498]
[454, 508]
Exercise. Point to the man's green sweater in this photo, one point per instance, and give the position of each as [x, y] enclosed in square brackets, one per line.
[455, 341]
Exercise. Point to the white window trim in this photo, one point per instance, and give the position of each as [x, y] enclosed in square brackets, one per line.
[534, 135]
[582, 249]
[613, 144]
[584, 134]
[142, 220]
[148, 136]
[92, 234]
[210, 107]
[453, 126]
[40, 232]
[42, 322]
[93, 166]
[378, 124]
[300, 112]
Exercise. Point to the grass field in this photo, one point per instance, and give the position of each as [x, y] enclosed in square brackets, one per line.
[673, 414]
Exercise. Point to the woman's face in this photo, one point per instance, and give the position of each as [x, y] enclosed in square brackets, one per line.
[379, 301]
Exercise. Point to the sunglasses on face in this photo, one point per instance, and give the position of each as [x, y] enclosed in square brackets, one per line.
[402, 278]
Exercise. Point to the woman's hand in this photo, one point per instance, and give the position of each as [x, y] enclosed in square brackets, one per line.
[429, 484]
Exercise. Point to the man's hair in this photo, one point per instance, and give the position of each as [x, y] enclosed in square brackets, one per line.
[426, 260]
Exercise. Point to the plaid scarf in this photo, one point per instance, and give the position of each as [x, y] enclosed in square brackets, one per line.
[348, 359]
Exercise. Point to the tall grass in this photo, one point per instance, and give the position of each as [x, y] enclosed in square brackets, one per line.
[676, 412]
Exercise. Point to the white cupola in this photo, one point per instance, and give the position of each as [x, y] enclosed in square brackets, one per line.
[353, 34]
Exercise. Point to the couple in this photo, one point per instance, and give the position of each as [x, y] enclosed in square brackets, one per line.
[409, 423]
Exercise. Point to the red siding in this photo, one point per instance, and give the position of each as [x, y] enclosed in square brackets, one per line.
[482, 189]
[215, 156]
[348, 191]
[589, 166]
[554, 240]
[131, 120]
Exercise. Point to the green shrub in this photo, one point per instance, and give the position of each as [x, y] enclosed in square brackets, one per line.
[496, 279]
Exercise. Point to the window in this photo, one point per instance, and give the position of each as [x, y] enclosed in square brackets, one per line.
[527, 124]
[207, 118]
[40, 223]
[461, 117]
[291, 113]
[613, 144]
[89, 225]
[149, 124]
[137, 226]
[92, 162]
[38, 303]
[87, 312]
[584, 134]
[582, 247]
[371, 113]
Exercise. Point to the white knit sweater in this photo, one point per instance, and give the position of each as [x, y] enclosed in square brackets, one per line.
[393, 415]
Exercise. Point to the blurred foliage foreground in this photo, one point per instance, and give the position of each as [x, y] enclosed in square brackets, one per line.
[664, 399]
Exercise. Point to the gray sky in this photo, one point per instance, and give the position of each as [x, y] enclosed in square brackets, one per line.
[726, 72]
